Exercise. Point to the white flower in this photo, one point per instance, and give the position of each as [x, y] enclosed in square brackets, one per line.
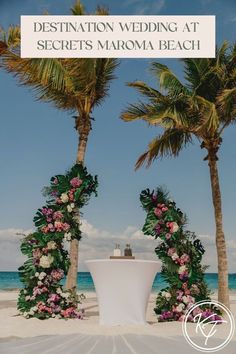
[25, 314]
[67, 236]
[42, 275]
[34, 308]
[27, 298]
[64, 198]
[46, 261]
[69, 209]
[40, 283]
[31, 312]
[182, 269]
[65, 295]
[185, 299]
[25, 291]
[174, 256]
[72, 205]
[53, 315]
[37, 274]
[166, 294]
[180, 307]
[58, 291]
[175, 227]
[51, 245]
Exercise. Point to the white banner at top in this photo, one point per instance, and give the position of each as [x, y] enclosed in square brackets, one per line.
[117, 36]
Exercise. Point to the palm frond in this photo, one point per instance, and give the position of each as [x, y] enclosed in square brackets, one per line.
[170, 143]
[147, 91]
[227, 104]
[167, 80]
[78, 9]
[209, 119]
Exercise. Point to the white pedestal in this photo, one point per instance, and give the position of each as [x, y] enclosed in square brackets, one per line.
[123, 288]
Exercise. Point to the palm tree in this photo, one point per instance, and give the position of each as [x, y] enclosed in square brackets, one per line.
[200, 108]
[75, 85]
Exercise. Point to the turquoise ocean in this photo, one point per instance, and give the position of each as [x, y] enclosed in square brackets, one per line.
[10, 280]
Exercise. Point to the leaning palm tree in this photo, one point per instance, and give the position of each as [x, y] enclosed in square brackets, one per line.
[75, 85]
[202, 108]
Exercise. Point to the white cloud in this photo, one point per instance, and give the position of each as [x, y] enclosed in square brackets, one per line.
[10, 254]
[99, 243]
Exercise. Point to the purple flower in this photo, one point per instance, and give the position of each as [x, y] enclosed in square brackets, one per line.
[154, 198]
[47, 211]
[158, 229]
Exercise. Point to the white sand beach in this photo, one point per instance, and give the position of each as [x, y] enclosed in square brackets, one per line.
[20, 335]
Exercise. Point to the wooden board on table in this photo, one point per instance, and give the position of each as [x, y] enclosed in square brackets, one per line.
[122, 257]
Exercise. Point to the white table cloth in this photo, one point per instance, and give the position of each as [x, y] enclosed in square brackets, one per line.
[123, 288]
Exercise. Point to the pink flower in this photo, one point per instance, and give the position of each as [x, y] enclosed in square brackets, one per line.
[171, 251]
[68, 312]
[164, 209]
[57, 274]
[179, 294]
[185, 258]
[183, 276]
[158, 212]
[196, 311]
[58, 226]
[53, 298]
[55, 181]
[57, 215]
[59, 201]
[159, 205]
[75, 182]
[173, 226]
[44, 229]
[51, 227]
[168, 236]
[71, 194]
[66, 226]
[37, 253]
[182, 318]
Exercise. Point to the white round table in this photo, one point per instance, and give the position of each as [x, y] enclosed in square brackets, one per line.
[123, 288]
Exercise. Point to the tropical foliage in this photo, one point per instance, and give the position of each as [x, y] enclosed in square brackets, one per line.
[47, 260]
[181, 254]
[198, 110]
[76, 85]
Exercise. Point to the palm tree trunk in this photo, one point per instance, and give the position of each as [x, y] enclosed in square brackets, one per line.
[71, 280]
[223, 291]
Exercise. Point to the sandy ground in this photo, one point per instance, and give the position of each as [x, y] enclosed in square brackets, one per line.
[13, 327]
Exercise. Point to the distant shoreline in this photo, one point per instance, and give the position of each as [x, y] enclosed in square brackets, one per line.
[9, 281]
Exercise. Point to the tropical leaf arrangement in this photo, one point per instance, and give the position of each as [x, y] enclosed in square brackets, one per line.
[181, 254]
[47, 260]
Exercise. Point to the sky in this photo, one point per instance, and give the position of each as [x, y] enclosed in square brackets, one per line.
[38, 141]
